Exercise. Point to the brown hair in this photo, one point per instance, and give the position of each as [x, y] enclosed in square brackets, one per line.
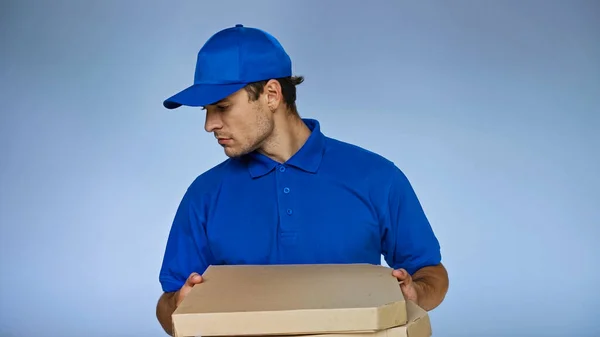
[288, 90]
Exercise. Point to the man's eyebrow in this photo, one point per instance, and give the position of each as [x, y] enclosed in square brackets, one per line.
[224, 100]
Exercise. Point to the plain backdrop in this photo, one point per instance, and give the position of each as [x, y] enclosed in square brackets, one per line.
[491, 108]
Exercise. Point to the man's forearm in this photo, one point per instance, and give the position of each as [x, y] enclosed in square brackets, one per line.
[432, 285]
[164, 309]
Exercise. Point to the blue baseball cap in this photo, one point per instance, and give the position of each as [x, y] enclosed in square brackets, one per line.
[228, 61]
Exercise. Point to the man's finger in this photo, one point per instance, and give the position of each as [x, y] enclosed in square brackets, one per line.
[400, 273]
[403, 276]
[194, 279]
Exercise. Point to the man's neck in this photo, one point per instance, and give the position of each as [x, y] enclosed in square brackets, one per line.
[289, 136]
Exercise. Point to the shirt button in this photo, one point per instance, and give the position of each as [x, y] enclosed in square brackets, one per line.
[281, 168]
[289, 211]
[286, 190]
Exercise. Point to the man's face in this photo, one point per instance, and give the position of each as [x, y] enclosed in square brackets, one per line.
[240, 126]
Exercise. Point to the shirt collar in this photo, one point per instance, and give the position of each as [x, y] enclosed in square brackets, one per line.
[308, 158]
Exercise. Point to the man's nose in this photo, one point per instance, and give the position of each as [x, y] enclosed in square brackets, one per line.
[213, 121]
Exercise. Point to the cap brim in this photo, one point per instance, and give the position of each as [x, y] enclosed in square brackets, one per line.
[201, 95]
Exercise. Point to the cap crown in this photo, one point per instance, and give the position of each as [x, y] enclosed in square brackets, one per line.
[241, 55]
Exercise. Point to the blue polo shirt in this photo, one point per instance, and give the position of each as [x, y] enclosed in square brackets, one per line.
[332, 202]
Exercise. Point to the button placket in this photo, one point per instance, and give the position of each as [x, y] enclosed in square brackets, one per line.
[286, 190]
[287, 227]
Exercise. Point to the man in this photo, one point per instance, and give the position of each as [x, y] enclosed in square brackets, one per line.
[287, 193]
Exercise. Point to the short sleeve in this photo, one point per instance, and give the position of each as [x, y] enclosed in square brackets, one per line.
[187, 248]
[408, 238]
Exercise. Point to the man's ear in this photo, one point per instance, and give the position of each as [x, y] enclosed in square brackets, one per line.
[273, 94]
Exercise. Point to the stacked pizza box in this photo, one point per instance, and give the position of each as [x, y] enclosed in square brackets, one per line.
[322, 300]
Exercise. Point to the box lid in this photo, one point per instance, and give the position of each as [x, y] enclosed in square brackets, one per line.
[418, 325]
[291, 299]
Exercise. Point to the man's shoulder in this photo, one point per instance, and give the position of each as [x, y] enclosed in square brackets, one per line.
[358, 156]
[209, 180]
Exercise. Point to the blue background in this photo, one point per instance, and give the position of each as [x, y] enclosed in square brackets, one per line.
[491, 108]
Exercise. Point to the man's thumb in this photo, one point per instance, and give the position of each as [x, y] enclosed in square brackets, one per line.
[194, 279]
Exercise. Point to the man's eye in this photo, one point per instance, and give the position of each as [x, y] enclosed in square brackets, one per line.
[222, 107]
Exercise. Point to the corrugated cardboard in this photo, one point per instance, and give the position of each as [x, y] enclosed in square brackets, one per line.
[419, 325]
[256, 300]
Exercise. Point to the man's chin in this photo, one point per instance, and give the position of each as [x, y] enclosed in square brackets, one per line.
[231, 153]
[236, 152]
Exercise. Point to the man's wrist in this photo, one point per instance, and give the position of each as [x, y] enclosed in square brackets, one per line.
[420, 287]
[175, 299]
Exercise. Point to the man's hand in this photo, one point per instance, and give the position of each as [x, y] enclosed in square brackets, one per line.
[168, 302]
[408, 287]
[427, 287]
[191, 281]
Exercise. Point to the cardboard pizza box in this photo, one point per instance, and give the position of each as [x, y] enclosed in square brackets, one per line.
[259, 300]
[419, 325]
